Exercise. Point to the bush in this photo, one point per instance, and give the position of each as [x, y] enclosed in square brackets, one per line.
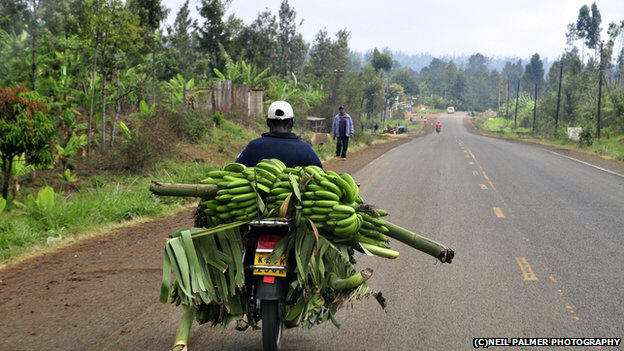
[195, 125]
[586, 138]
[154, 139]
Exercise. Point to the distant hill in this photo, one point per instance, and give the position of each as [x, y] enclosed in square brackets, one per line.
[420, 60]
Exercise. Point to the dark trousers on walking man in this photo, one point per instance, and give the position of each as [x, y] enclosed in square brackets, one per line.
[342, 143]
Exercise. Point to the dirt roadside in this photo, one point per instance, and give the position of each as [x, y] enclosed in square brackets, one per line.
[102, 293]
[611, 165]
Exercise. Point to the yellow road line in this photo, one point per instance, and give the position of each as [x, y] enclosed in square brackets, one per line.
[475, 173]
[483, 186]
[498, 212]
[482, 171]
[527, 272]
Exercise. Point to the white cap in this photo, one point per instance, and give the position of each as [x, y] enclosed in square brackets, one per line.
[280, 110]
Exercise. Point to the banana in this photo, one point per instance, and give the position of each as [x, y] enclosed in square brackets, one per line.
[277, 191]
[243, 218]
[279, 162]
[275, 170]
[226, 215]
[244, 197]
[240, 190]
[308, 203]
[344, 209]
[282, 196]
[263, 188]
[283, 184]
[222, 209]
[325, 203]
[318, 217]
[347, 221]
[211, 204]
[217, 174]
[260, 180]
[234, 167]
[308, 211]
[322, 210]
[354, 190]
[327, 195]
[210, 181]
[242, 204]
[332, 187]
[266, 174]
[344, 186]
[315, 187]
[382, 213]
[348, 230]
[224, 198]
[309, 195]
[337, 215]
[237, 183]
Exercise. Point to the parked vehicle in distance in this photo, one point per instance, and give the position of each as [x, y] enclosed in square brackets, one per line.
[450, 109]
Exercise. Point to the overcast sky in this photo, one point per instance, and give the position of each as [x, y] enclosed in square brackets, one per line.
[441, 27]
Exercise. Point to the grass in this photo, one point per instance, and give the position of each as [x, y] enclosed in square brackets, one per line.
[107, 198]
[609, 147]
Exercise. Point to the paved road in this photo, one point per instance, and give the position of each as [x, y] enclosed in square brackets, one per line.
[539, 250]
[538, 241]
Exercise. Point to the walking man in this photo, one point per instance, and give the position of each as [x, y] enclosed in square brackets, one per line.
[342, 129]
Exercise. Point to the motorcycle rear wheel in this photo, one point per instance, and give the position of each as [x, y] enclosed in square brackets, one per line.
[271, 325]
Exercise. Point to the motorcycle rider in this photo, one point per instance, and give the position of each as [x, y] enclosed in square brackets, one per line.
[438, 126]
[281, 143]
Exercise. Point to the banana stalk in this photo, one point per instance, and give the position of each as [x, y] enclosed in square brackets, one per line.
[204, 191]
[351, 282]
[428, 246]
[184, 329]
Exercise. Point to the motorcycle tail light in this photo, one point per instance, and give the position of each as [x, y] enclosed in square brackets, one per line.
[268, 241]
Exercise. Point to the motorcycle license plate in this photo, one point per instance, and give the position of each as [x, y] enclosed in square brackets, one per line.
[277, 269]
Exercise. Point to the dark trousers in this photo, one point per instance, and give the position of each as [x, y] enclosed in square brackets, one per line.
[342, 143]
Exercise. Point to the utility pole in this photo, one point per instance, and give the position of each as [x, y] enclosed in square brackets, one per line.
[534, 107]
[559, 96]
[507, 103]
[516, 112]
[600, 74]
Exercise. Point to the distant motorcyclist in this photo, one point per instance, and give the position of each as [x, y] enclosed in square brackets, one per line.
[438, 126]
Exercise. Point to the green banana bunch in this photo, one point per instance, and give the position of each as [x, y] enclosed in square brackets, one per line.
[236, 199]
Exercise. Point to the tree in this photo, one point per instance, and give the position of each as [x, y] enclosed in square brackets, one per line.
[328, 56]
[256, 43]
[26, 128]
[406, 77]
[150, 12]
[180, 39]
[381, 61]
[213, 32]
[533, 73]
[292, 48]
[12, 15]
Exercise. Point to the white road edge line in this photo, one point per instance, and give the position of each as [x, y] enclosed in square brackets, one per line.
[588, 164]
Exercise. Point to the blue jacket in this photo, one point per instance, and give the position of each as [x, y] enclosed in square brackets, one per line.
[336, 125]
[286, 147]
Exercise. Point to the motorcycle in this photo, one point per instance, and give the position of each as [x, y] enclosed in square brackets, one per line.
[438, 129]
[267, 282]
